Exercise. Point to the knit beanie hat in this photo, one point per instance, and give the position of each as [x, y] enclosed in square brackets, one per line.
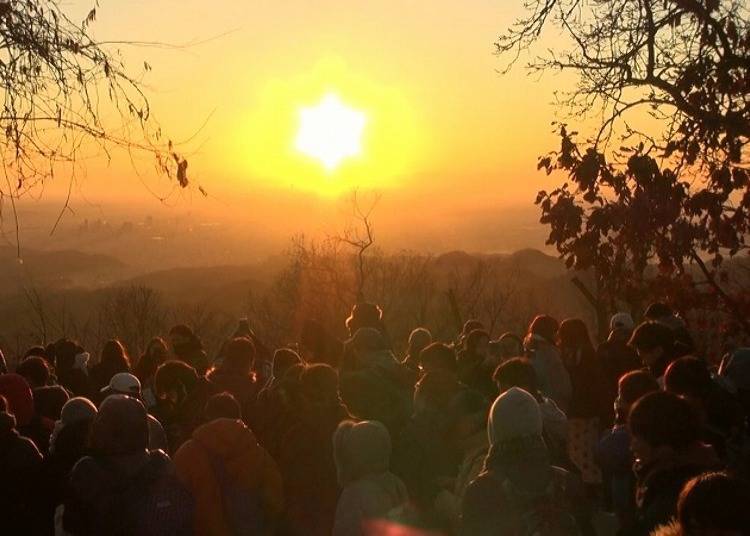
[360, 449]
[77, 409]
[514, 415]
[120, 427]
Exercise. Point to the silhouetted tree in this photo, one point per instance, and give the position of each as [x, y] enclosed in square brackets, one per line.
[671, 196]
[61, 88]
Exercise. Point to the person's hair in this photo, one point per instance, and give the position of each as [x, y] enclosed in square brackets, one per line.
[658, 310]
[35, 370]
[149, 362]
[182, 330]
[664, 419]
[688, 376]
[65, 354]
[222, 406]
[239, 354]
[114, 356]
[471, 325]
[283, 359]
[419, 338]
[364, 315]
[517, 372]
[438, 356]
[507, 339]
[544, 326]
[714, 501]
[319, 382]
[36, 351]
[3, 404]
[173, 374]
[574, 335]
[634, 385]
[474, 337]
[436, 389]
[652, 335]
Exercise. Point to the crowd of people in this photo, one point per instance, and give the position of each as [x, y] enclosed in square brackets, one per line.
[543, 433]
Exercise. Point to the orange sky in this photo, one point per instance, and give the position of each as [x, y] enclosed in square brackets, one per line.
[447, 131]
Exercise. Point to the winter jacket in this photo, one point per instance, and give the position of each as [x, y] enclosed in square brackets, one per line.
[136, 493]
[368, 499]
[20, 467]
[553, 377]
[616, 462]
[309, 471]
[488, 509]
[588, 396]
[231, 444]
[659, 486]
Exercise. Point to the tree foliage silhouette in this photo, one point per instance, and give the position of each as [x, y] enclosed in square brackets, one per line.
[61, 89]
[672, 195]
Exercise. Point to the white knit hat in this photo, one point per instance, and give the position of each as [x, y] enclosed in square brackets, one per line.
[514, 415]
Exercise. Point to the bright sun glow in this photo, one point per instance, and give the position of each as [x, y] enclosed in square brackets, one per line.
[330, 131]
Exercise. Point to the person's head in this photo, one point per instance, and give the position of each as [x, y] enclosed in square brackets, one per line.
[114, 356]
[7, 420]
[37, 351]
[621, 321]
[434, 392]
[662, 425]
[714, 504]
[516, 372]
[545, 327]
[123, 383]
[182, 338]
[631, 387]
[156, 350]
[283, 360]
[239, 355]
[509, 345]
[174, 380]
[467, 414]
[120, 427]
[470, 325]
[35, 370]
[477, 342]
[654, 343]
[20, 399]
[367, 340]
[364, 315]
[65, 352]
[361, 449]
[419, 339]
[438, 356]
[688, 376]
[514, 418]
[319, 385]
[573, 335]
[222, 406]
[657, 311]
[77, 409]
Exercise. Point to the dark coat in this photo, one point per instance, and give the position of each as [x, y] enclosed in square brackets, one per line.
[488, 510]
[659, 486]
[123, 495]
[309, 472]
[20, 467]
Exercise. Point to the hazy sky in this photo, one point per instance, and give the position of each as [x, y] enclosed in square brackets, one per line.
[446, 134]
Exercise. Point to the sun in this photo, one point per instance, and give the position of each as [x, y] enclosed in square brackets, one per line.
[330, 131]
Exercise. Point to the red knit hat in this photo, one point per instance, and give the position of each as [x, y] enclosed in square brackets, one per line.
[17, 392]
